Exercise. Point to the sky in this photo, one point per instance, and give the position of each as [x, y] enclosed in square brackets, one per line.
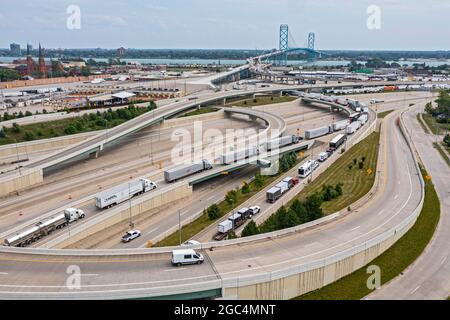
[223, 24]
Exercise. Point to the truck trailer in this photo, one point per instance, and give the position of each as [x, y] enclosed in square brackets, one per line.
[318, 132]
[280, 142]
[44, 227]
[234, 221]
[340, 125]
[352, 127]
[185, 170]
[122, 193]
[238, 155]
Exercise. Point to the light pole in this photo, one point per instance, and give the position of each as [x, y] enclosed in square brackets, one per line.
[179, 225]
[129, 195]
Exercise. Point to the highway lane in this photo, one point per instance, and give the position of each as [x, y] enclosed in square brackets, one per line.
[429, 276]
[400, 194]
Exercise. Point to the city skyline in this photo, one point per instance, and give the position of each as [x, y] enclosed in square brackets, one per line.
[199, 24]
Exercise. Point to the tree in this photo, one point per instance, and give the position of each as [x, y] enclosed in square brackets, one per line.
[29, 136]
[300, 211]
[429, 108]
[250, 229]
[245, 188]
[259, 180]
[231, 197]
[361, 165]
[213, 212]
[70, 130]
[447, 140]
[338, 189]
[9, 75]
[16, 128]
[312, 205]
[28, 113]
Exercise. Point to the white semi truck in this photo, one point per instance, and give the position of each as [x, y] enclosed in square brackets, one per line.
[186, 170]
[124, 192]
[44, 227]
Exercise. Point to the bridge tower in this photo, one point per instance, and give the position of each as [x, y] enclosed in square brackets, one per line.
[284, 44]
[311, 40]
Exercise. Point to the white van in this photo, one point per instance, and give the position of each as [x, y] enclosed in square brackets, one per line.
[186, 256]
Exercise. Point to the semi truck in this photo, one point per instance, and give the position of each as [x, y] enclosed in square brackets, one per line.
[233, 222]
[338, 141]
[185, 170]
[238, 155]
[318, 132]
[44, 227]
[124, 192]
[281, 142]
[352, 127]
[340, 125]
[274, 193]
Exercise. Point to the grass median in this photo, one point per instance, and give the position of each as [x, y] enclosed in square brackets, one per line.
[435, 127]
[442, 152]
[260, 101]
[200, 111]
[383, 114]
[422, 124]
[393, 261]
[355, 169]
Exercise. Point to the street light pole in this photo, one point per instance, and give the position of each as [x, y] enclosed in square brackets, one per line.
[179, 225]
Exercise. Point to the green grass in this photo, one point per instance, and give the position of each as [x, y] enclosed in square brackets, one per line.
[260, 101]
[383, 114]
[56, 128]
[442, 152]
[191, 229]
[393, 261]
[422, 124]
[435, 127]
[200, 111]
[356, 182]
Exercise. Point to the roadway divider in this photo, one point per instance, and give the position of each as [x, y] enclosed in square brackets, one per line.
[26, 178]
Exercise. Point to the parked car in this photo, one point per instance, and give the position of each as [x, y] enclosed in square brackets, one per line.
[130, 235]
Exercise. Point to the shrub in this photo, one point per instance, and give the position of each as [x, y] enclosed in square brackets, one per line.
[70, 130]
[213, 212]
[29, 136]
[250, 229]
[28, 113]
[246, 188]
[16, 128]
[361, 165]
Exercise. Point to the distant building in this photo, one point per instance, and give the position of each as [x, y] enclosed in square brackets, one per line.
[29, 47]
[41, 62]
[121, 51]
[15, 49]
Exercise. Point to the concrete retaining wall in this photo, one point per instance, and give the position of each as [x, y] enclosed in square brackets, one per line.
[25, 180]
[188, 120]
[45, 144]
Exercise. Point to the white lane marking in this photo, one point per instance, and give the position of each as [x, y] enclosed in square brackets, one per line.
[153, 230]
[174, 269]
[418, 287]
[381, 211]
[210, 198]
[89, 274]
[252, 258]
[355, 228]
[396, 196]
[443, 260]
[3, 273]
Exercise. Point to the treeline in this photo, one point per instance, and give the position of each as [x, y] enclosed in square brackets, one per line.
[84, 123]
[297, 213]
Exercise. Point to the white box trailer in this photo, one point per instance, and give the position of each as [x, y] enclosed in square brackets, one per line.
[352, 127]
[340, 125]
[185, 170]
[318, 132]
[363, 118]
[123, 192]
[225, 226]
[280, 142]
[238, 155]
[283, 186]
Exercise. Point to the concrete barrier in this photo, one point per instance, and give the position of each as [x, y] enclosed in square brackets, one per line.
[16, 183]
